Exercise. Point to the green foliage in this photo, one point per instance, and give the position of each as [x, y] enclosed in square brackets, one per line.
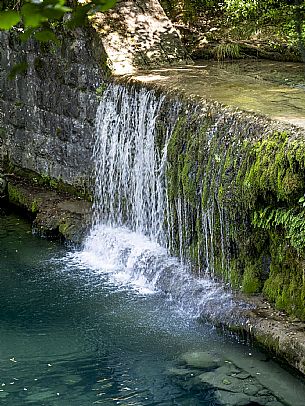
[8, 19]
[36, 18]
[279, 20]
[18, 69]
[239, 9]
[229, 50]
[292, 221]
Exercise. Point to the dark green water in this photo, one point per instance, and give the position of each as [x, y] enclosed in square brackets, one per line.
[70, 336]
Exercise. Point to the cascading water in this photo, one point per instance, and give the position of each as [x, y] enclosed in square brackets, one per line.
[132, 229]
[129, 171]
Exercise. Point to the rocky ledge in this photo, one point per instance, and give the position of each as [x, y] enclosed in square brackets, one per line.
[282, 335]
[54, 214]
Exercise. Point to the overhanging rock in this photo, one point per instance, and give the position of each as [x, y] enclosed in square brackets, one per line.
[137, 34]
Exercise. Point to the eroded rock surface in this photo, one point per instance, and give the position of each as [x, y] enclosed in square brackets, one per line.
[138, 33]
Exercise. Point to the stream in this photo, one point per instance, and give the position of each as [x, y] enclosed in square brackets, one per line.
[120, 320]
[88, 327]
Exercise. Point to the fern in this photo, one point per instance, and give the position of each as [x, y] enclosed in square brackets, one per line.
[292, 221]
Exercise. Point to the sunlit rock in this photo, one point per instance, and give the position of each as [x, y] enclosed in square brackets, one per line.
[138, 34]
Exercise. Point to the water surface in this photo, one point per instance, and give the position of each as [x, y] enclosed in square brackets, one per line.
[73, 332]
[272, 88]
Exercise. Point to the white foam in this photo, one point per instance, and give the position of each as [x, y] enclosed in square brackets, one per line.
[131, 260]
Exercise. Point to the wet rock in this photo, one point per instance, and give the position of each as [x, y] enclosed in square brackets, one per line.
[55, 214]
[201, 360]
[251, 390]
[243, 375]
[219, 381]
[182, 372]
[232, 399]
[230, 369]
[224, 380]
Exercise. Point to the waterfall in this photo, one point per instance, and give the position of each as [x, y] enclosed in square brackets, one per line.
[133, 227]
[129, 169]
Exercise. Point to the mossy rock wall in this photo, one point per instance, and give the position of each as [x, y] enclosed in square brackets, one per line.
[236, 187]
[235, 182]
[48, 109]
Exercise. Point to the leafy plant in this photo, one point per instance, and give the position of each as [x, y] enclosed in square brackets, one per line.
[35, 18]
[292, 221]
[229, 50]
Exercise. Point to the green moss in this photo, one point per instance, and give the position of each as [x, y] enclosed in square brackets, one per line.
[15, 195]
[251, 282]
[64, 227]
[46, 181]
[234, 276]
[245, 191]
[19, 198]
[285, 285]
[34, 206]
[268, 341]
[99, 91]
[273, 171]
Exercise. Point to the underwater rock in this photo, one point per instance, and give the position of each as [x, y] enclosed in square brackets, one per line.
[42, 395]
[201, 360]
[231, 369]
[181, 372]
[72, 379]
[3, 394]
[233, 399]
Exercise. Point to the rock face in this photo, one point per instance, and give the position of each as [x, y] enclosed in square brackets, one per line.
[280, 334]
[47, 113]
[54, 214]
[137, 33]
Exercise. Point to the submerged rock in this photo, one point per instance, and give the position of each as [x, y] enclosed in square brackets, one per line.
[201, 360]
[42, 395]
[233, 399]
[72, 379]
[229, 384]
[182, 372]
